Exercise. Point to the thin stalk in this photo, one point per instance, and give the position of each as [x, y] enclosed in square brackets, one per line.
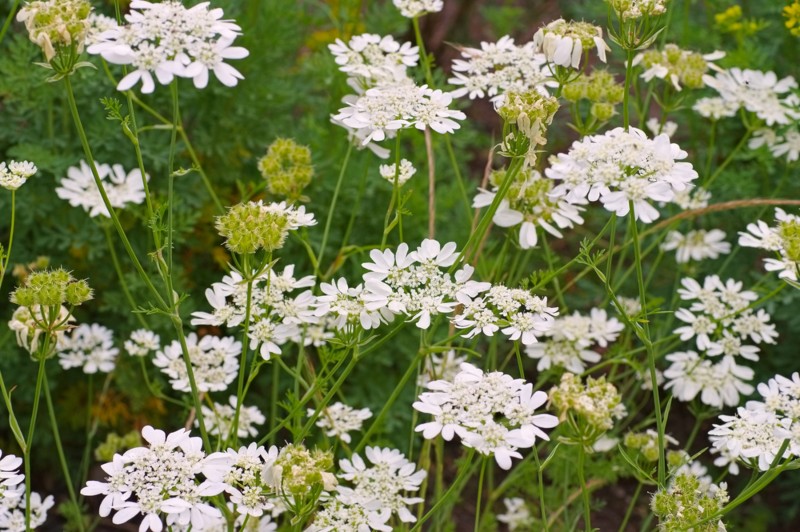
[651, 361]
[631, 506]
[4, 263]
[60, 450]
[178, 325]
[540, 478]
[9, 18]
[171, 185]
[728, 159]
[463, 474]
[431, 184]
[274, 392]
[332, 208]
[587, 509]
[423, 54]
[459, 178]
[243, 362]
[626, 95]
[121, 277]
[31, 430]
[325, 400]
[479, 500]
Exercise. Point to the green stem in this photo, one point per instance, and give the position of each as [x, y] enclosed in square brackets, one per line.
[479, 499]
[728, 159]
[31, 430]
[463, 475]
[587, 510]
[423, 55]
[4, 260]
[187, 361]
[121, 277]
[332, 208]
[540, 478]
[631, 506]
[233, 435]
[60, 450]
[9, 18]
[651, 361]
[325, 400]
[626, 96]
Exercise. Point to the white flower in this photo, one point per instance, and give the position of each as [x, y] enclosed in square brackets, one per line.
[142, 342]
[788, 145]
[339, 515]
[417, 8]
[11, 487]
[15, 174]
[370, 59]
[530, 205]
[382, 486]
[715, 108]
[719, 384]
[696, 245]
[622, 167]
[492, 413]
[758, 92]
[80, 189]
[161, 480]
[90, 347]
[563, 42]
[170, 40]
[692, 198]
[215, 362]
[656, 127]
[12, 516]
[219, 419]
[499, 67]
[243, 474]
[784, 239]
[347, 306]
[517, 515]
[401, 173]
[24, 324]
[440, 367]
[339, 419]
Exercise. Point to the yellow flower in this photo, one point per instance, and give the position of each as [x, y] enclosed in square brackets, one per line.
[792, 15]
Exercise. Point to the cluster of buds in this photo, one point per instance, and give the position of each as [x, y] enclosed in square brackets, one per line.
[57, 24]
[287, 169]
[300, 476]
[646, 443]
[635, 9]
[46, 299]
[590, 409]
[253, 226]
[14, 175]
[680, 67]
[639, 22]
[526, 116]
[688, 500]
[600, 89]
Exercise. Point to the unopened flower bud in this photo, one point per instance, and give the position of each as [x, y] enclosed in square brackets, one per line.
[602, 111]
[287, 168]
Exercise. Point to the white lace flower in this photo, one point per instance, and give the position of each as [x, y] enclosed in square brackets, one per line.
[563, 42]
[696, 245]
[219, 419]
[622, 167]
[715, 108]
[499, 67]
[517, 515]
[161, 481]
[719, 384]
[401, 173]
[417, 8]
[170, 40]
[12, 511]
[16, 173]
[370, 59]
[492, 413]
[784, 239]
[215, 362]
[340, 419]
[758, 92]
[90, 347]
[122, 189]
[142, 342]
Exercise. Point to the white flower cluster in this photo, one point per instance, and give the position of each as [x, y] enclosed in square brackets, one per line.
[517, 515]
[215, 362]
[563, 42]
[340, 419]
[417, 8]
[277, 315]
[621, 168]
[12, 497]
[369, 59]
[783, 239]
[755, 434]
[570, 341]
[219, 419]
[15, 174]
[387, 99]
[416, 284]
[162, 480]
[723, 328]
[90, 347]
[515, 312]
[381, 487]
[80, 189]
[692, 198]
[25, 322]
[493, 413]
[758, 92]
[783, 143]
[696, 245]
[715, 108]
[677, 65]
[530, 205]
[634, 9]
[402, 172]
[142, 342]
[598, 403]
[443, 367]
[499, 67]
[170, 40]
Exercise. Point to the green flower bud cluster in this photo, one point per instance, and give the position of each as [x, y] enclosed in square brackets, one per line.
[528, 194]
[248, 227]
[601, 89]
[52, 288]
[598, 403]
[646, 443]
[789, 232]
[115, 444]
[633, 9]
[287, 169]
[687, 501]
[52, 24]
[298, 472]
[685, 66]
[536, 106]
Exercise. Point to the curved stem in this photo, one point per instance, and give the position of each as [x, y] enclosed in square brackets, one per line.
[121, 277]
[479, 500]
[31, 430]
[463, 475]
[4, 260]
[587, 509]
[332, 208]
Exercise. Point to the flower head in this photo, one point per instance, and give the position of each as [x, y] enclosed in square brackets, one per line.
[55, 24]
[122, 189]
[286, 168]
[90, 347]
[15, 174]
[215, 362]
[563, 42]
